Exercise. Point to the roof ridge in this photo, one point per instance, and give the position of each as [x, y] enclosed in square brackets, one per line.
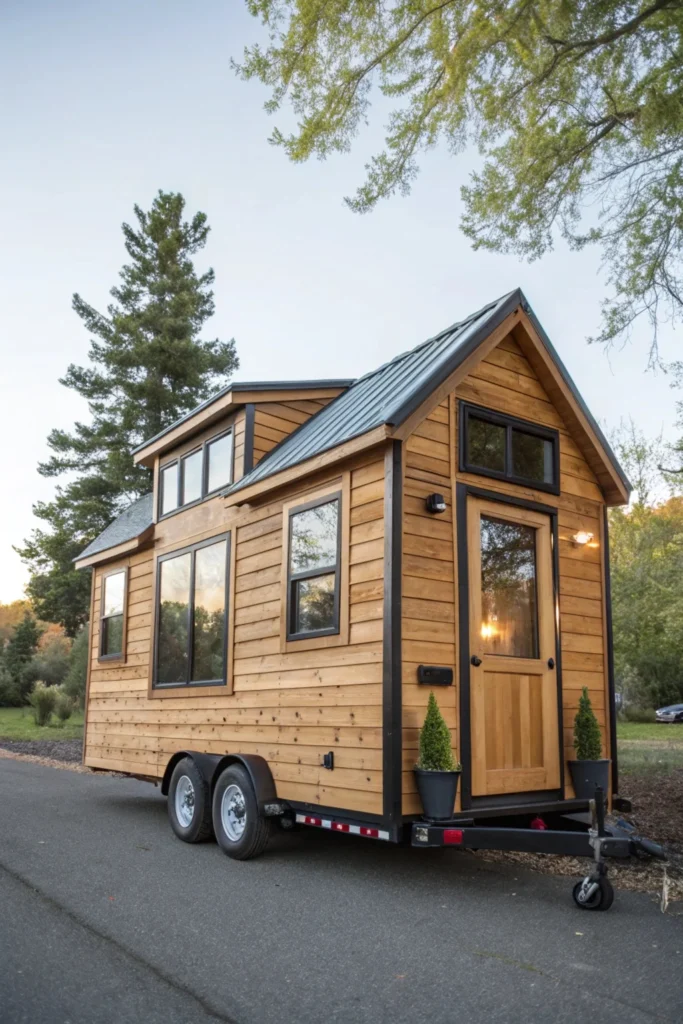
[435, 337]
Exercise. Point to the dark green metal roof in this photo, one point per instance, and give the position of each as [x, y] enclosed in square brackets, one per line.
[391, 393]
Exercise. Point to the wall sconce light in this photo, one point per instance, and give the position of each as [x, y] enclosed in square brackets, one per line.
[436, 503]
[581, 538]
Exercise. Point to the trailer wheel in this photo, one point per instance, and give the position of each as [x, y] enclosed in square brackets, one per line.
[241, 830]
[601, 899]
[189, 803]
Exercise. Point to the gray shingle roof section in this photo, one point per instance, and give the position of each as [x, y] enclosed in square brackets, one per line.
[247, 385]
[133, 521]
[386, 395]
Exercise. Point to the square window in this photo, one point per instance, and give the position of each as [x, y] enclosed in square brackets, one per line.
[532, 457]
[486, 445]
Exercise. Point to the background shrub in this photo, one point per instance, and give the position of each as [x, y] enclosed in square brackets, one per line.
[42, 699]
[636, 713]
[64, 706]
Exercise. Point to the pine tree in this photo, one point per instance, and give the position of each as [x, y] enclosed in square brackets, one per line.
[435, 753]
[587, 739]
[148, 367]
[21, 648]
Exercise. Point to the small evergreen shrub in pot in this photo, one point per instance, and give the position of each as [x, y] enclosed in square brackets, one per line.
[436, 772]
[589, 770]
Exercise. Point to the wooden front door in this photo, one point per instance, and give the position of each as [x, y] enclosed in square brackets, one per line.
[513, 682]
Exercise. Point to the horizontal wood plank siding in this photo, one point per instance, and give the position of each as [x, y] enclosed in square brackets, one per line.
[274, 421]
[290, 707]
[503, 381]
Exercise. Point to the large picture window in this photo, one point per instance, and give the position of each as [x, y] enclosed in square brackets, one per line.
[313, 568]
[191, 615]
[112, 611]
[196, 475]
[493, 444]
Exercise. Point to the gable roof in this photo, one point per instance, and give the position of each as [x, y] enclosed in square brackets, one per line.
[133, 521]
[235, 387]
[390, 394]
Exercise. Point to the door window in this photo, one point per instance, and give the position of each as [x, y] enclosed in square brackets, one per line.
[509, 606]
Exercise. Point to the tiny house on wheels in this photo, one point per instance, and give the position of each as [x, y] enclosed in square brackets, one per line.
[316, 557]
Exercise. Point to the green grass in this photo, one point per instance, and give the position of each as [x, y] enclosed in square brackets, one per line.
[646, 746]
[18, 724]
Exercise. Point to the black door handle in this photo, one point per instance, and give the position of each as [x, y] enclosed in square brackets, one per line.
[474, 660]
[551, 663]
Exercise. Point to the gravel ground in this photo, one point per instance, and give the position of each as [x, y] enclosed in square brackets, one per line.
[56, 750]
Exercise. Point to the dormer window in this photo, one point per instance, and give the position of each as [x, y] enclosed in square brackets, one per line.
[197, 475]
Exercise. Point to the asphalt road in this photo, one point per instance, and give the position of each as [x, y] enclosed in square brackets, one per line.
[107, 918]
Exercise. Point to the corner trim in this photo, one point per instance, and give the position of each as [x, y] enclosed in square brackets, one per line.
[391, 639]
[610, 654]
[249, 419]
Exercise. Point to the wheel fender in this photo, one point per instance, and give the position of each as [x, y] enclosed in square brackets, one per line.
[258, 771]
[211, 766]
[206, 763]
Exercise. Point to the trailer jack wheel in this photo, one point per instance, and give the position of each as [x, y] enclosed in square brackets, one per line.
[593, 893]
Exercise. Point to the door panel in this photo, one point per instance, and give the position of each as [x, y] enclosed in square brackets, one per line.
[513, 691]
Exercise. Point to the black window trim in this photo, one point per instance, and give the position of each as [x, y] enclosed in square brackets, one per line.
[117, 655]
[192, 549]
[294, 577]
[179, 459]
[510, 423]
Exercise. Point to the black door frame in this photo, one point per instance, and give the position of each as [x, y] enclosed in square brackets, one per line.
[462, 493]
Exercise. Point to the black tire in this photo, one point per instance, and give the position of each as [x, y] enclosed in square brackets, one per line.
[241, 801]
[197, 797]
[602, 898]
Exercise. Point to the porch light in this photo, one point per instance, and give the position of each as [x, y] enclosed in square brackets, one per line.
[581, 538]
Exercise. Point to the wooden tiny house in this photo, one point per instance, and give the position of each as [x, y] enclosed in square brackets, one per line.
[311, 549]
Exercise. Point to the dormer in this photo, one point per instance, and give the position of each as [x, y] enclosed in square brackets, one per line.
[219, 442]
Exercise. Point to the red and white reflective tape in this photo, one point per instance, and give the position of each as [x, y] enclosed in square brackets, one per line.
[342, 826]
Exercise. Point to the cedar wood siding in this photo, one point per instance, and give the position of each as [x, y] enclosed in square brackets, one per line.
[503, 381]
[274, 421]
[290, 707]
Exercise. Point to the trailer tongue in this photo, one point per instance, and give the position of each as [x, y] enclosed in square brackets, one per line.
[597, 841]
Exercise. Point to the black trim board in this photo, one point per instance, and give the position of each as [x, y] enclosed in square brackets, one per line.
[463, 491]
[610, 655]
[249, 418]
[391, 677]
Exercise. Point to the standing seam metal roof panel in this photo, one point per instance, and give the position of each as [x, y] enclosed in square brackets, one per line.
[379, 396]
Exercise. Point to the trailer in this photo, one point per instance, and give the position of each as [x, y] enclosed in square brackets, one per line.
[315, 557]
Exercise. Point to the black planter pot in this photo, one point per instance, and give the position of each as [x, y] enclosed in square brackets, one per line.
[588, 775]
[437, 792]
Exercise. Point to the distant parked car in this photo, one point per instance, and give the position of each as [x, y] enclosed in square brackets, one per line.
[673, 713]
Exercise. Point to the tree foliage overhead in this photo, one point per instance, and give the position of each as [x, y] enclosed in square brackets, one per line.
[572, 105]
[148, 366]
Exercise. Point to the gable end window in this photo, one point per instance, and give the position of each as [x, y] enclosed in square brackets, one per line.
[112, 612]
[197, 475]
[313, 568]
[493, 444]
[192, 615]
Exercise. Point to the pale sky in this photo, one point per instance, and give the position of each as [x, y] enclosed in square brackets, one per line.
[105, 104]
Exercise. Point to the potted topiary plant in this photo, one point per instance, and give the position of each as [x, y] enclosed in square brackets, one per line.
[436, 772]
[589, 770]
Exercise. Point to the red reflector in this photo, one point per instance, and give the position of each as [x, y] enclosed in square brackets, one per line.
[339, 826]
[371, 833]
[313, 821]
[452, 836]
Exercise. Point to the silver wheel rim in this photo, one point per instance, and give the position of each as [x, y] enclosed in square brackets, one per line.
[233, 813]
[184, 801]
